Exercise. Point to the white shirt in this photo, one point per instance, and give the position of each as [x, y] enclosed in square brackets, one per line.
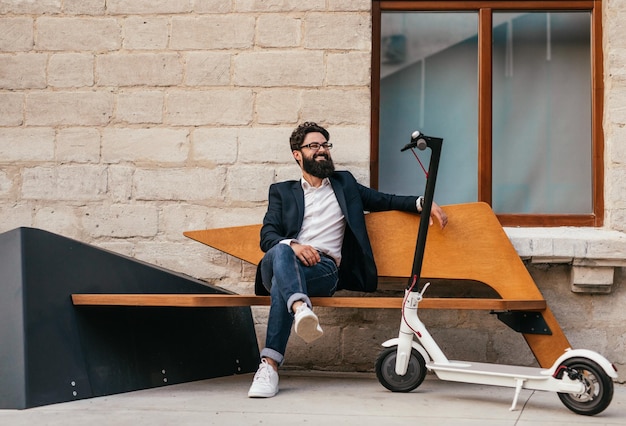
[323, 224]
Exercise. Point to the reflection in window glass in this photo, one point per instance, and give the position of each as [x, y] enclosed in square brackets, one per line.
[429, 82]
[542, 113]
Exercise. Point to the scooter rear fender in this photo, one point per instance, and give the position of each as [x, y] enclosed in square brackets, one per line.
[585, 353]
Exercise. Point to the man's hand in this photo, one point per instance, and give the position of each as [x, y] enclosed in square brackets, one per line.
[308, 255]
[439, 214]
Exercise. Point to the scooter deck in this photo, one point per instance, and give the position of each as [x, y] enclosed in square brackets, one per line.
[509, 376]
[486, 369]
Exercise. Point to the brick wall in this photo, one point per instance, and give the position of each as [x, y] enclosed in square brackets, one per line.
[125, 123]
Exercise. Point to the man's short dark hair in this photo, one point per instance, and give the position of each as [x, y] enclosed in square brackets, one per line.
[298, 135]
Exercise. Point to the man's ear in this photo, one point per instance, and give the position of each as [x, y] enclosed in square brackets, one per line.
[297, 155]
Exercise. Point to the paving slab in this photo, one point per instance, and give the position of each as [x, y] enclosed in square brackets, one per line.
[315, 398]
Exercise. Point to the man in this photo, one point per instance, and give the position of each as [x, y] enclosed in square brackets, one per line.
[315, 242]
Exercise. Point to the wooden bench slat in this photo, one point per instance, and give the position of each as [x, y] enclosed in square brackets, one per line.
[232, 300]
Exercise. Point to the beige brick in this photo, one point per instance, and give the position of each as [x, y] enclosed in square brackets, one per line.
[348, 69]
[70, 70]
[93, 34]
[30, 7]
[214, 145]
[123, 247]
[120, 183]
[78, 145]
[142, 33]
[71, 108]
[617, 152]
[615, 188]
[11, 109]
[265, 145]
[84, 7]
[350, 5]
[179, 184]
[13, 73]
[124, 7]
[14, 216]
[337, 106]
[249, 183]
[275, 106]
[6, 184]
[122, 221]
[62, 220]
[209, 107]
[615, 63]
[347, 31]
[140, 107]
[351, 144]
[139, 69]
[17, 34]
[212, 32]
[26, 144]
[161, 145]
[616, 219]
[290, 34]
[178, 218]
[221, 217]
[291, 171]
[61, 183]
[279, 5]
[614, 106]
[613, 27]
[207, 69]
[212, 6]
[273, 68]
[188, 257]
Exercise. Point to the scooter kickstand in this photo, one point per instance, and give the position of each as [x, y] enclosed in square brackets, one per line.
[518, 389]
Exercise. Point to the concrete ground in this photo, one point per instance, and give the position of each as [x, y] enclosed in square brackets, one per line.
[317, 399]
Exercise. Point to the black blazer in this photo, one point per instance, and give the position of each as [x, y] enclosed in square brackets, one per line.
[285, 211]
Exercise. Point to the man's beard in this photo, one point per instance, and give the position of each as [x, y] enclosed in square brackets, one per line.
[320, 169]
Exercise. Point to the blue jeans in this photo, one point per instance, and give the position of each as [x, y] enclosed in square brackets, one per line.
[287, 281]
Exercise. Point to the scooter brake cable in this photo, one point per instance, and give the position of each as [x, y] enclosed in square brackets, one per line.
[420, 161]
[406, 295]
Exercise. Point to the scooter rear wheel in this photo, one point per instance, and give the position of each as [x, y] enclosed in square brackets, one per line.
[598, 387]
[386, 371]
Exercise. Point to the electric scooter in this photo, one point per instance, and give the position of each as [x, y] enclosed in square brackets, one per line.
[583, 379]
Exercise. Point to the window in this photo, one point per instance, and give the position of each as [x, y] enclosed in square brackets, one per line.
[515, 90]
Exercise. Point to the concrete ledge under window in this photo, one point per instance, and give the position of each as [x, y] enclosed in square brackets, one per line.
[592, 253]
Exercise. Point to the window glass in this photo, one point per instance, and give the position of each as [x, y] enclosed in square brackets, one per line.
[541, 142]
[429, 82]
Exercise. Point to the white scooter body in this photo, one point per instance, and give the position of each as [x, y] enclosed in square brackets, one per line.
[482, 373]
[582, 378]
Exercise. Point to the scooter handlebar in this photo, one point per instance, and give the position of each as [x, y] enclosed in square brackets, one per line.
[418, 141]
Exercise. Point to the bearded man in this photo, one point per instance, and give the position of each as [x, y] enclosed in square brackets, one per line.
[315, 242]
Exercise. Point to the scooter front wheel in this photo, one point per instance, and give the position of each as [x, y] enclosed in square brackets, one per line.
[598, 387]
[386, 370]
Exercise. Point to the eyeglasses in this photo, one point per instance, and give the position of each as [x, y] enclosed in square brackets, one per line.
[315, 146]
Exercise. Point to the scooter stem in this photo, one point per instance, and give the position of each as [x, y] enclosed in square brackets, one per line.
[411, 320]
[435, 145]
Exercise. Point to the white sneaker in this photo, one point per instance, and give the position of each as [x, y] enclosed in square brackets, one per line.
[307, 325]
[265, 382]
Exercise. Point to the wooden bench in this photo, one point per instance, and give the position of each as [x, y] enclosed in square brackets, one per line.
[472, 247]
